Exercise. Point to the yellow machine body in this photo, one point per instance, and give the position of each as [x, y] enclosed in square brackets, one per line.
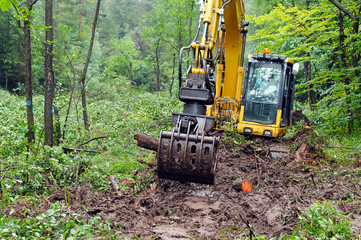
[219, 87]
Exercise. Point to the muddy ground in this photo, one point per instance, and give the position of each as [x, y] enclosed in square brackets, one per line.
[287, 177]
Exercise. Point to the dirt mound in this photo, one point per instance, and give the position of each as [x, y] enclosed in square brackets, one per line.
[19, 209]
[298, 116]
[284, 184]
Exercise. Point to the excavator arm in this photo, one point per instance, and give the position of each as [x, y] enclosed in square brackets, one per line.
[189, 151]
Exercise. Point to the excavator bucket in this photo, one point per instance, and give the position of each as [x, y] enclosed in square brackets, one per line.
[187, 153]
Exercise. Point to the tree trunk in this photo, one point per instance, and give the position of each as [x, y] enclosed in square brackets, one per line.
[82, 80]
[57, 126]
[6, 81]
[354, 55]
[81, 7]
[20, 74]
[28, 83]
[49, 75]
[83, 103]
[172, 82]
[157, 70]
[71, 95]
[342, 41]
[130, 71]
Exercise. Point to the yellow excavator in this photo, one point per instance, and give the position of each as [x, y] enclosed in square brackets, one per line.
[218, 88]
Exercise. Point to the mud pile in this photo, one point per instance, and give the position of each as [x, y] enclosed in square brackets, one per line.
[287, 176]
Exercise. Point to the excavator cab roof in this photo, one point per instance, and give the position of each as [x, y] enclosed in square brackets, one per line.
[270, 57]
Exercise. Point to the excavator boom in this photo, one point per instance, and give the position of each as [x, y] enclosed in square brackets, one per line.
[188, 152]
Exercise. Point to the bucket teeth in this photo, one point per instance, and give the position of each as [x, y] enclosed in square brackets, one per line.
[187, 157]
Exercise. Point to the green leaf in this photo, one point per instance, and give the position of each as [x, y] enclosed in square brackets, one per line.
[5, 5]
[11, 211]
[50, 212]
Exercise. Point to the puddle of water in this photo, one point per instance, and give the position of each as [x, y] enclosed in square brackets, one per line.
[200, 191]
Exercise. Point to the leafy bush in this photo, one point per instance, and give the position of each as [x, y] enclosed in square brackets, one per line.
[119, 113]
[233, 139]
[55, 224]
[322, 221]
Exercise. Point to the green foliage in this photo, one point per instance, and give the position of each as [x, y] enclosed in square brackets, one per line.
[232, 139]
[125, 61]
[343, 156]
[313, 34]
[55, 224]
[124, 112]
[322, 221]
[6, 4]
[169, 26]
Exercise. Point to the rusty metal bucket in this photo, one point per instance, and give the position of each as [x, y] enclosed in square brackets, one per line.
[187, 153]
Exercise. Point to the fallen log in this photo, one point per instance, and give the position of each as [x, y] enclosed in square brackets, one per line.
[147, 142]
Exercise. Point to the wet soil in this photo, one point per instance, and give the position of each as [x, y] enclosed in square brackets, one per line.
[298, 116]
[287, 177]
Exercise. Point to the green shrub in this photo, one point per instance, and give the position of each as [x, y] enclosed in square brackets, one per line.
[322, 221]
[55, 224]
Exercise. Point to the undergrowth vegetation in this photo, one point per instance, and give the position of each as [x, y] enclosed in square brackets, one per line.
[56, 224]
[117, 112]
[43, 169]
[321, 221]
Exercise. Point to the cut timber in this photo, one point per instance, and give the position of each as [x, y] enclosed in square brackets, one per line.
[147, 142]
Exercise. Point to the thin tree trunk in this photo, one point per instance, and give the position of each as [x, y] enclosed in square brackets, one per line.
[345, 64]
[172, 82]
[83, 103]
[49, 75]
[81, 7]
[342, 41]
[157, 70]
[355, 30]
[71, 96]
[57, 125]
[130, 71]
[1, 74]
[82, 80]
[28, 83]
[20, 69]
[6, 81]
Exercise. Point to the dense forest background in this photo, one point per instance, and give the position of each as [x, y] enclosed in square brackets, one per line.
[137, 43]
[50, 82]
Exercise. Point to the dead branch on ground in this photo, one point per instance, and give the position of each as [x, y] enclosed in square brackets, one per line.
[78, 149]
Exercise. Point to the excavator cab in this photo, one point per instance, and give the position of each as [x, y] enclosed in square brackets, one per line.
[268, 93]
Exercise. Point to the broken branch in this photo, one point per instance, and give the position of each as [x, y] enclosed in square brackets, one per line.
[71, 149]
[91, 140]
[345, 147]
